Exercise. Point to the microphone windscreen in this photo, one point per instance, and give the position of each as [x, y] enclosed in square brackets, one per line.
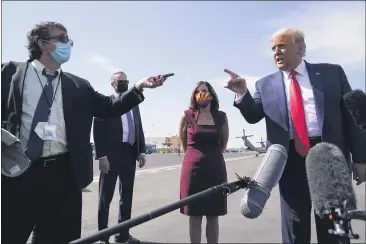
[329, 177]
[356, 103]
[266, 177]
[252, 204]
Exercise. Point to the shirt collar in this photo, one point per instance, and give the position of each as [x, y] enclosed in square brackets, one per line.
[40, 67]
[300, 69]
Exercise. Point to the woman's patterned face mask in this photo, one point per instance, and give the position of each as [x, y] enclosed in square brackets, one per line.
[203, 98]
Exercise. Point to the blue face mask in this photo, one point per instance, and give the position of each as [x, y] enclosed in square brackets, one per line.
[62, 52]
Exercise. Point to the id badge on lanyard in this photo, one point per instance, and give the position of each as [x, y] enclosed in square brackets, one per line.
[49, 132]
[48, 129]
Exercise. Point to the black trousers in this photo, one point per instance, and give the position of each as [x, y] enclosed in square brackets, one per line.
[296, 203]
[125, 170]
[45, 200]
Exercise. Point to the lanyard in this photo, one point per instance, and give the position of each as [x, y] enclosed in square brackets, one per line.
[43, 93]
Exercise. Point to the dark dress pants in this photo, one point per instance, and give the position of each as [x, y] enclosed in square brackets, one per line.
[44, 199]
[124, 169]
[296, 203]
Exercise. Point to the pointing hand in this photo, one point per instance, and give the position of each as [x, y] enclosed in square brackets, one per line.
[151, 82]
[236, 83]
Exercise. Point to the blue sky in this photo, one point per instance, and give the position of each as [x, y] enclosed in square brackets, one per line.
[195, 40]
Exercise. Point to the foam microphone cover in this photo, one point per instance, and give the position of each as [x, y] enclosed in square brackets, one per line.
[329, 177]
[267, 176]
[356, 103]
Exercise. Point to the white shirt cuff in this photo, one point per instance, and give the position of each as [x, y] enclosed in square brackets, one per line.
[239, 99]
[102, 157]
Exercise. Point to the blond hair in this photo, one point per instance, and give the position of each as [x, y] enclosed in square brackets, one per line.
[297, 36]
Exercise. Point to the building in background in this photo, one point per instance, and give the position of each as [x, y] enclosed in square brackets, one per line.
[164, 144]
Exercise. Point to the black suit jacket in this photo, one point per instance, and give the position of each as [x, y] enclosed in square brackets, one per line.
[108, 135]
[80, 104]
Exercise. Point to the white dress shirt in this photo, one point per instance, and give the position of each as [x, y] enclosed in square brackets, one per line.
[32, 91]
[125, 127]
[311, 117]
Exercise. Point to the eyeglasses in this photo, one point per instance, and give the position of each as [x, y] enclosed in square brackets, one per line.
[64, 38]
[122, 81]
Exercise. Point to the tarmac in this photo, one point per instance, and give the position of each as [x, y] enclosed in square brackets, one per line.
[157, 184]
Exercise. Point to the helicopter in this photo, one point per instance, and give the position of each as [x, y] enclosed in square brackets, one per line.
[251, 147]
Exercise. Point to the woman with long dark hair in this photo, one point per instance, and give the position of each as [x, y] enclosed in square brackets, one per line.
[204, 134]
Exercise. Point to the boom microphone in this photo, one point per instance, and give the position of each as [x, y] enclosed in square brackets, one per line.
[330, 180]
[225, 189]
[331, 190]
[356, 103]
[266, 177]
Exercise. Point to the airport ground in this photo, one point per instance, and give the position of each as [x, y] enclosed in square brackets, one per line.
[157, 184]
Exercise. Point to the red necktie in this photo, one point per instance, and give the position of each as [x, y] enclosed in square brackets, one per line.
[301, 138]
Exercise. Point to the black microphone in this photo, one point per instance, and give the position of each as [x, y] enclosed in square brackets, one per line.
[168, 75]
[331, 190]
[356, 104]
[165, 76]
[267, 176]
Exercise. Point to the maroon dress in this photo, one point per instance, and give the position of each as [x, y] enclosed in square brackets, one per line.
[203, 165]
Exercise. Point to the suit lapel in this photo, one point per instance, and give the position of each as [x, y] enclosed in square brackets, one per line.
[68, 97]
[136, 117]
[280, 93]
[317, 84]
[17, 88]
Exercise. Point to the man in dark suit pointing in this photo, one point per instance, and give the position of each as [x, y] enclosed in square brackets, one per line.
[302, 105]
[51, 112]
[119, 142]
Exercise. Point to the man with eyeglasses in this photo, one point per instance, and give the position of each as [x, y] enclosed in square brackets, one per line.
[51, 112]
[119, 143]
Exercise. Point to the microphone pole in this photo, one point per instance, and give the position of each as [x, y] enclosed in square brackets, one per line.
[341, 219]
[225, 188]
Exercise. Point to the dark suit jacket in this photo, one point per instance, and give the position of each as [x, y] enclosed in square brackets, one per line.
[80, 103]
[108, 136]
[329, 83]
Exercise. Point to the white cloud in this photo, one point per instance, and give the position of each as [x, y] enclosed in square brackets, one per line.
[334, 31]
[103, 63]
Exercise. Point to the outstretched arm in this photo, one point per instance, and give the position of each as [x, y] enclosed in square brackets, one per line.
[250, 106]
[104, 106]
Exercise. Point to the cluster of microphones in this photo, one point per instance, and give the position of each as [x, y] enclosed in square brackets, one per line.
[329, 178]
